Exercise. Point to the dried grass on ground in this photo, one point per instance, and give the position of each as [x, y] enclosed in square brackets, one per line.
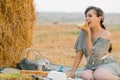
[56, 43]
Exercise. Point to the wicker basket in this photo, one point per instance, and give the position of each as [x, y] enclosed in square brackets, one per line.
[37, 58]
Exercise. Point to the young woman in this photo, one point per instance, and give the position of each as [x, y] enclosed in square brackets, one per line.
[94, 43]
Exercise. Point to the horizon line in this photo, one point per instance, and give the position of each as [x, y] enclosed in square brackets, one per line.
[71, 12]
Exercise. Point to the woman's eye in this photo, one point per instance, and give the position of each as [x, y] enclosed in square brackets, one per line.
[90, 15]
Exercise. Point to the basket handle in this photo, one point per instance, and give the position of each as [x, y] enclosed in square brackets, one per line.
[25, 52]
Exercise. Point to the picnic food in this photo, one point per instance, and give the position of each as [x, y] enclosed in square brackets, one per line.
[33, 72]
[82, 25]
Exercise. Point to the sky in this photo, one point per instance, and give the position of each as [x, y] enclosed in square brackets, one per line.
[108, 6]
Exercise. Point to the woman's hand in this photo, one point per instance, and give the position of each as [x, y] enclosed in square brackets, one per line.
[84, 27]
[72, 75]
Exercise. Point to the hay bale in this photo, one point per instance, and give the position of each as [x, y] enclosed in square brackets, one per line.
[16, 29]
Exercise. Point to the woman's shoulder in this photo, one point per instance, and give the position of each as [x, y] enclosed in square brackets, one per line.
[107, 35]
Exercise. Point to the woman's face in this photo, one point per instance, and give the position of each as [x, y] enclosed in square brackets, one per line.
[92, 18]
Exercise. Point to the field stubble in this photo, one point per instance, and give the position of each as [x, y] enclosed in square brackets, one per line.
[56, 42]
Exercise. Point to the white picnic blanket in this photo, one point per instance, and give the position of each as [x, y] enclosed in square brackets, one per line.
[55, 75]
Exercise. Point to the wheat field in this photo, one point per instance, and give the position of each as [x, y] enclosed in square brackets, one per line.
[56, 42]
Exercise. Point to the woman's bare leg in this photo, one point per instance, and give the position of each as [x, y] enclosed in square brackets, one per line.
[104, 74]
[87, 75]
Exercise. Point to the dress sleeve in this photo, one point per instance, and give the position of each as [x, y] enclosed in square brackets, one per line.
[79, 42]
[100, 48]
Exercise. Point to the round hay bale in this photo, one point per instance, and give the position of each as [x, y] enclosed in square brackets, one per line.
[16, 29]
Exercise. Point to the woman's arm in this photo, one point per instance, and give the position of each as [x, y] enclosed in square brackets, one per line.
[88, 43]
[77, 61]
[88, 39]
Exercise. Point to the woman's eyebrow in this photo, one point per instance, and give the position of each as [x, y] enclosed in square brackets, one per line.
[88, 15]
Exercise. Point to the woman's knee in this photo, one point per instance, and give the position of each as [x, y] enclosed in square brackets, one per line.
[87, 75]
[103, 74]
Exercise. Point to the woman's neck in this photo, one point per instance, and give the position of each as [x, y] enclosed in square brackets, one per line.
[96, 29]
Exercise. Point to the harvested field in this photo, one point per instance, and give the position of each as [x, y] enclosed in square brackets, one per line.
[56, 42]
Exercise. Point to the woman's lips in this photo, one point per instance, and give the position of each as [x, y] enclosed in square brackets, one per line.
[89, 23]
